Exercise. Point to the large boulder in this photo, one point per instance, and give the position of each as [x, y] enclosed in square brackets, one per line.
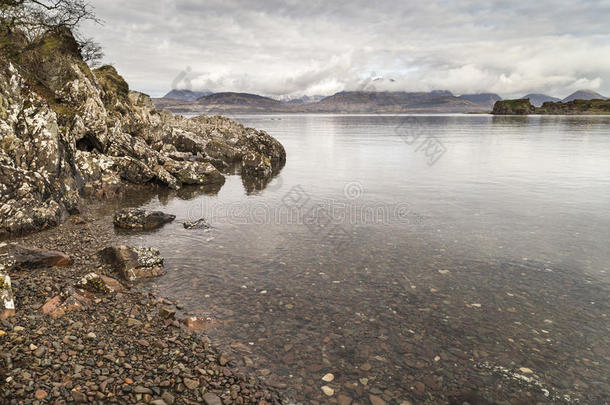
[136, 218]
[194, 172]
[133, 264]
[27, 257]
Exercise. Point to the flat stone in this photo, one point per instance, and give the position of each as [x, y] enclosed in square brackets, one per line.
[343, 400]
[211, 399]
[168, 398]
[375, 400]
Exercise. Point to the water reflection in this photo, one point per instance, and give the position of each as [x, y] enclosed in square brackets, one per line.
[504, 268]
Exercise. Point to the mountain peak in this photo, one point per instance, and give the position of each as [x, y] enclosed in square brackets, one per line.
[186, 95]
[584, 95]
[537, 99]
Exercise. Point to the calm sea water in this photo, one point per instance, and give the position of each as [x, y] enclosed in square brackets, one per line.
[413, 257]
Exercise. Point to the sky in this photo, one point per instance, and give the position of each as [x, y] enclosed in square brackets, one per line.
[287, 49]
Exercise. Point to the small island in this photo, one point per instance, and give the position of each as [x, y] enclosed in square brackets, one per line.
[574, 107]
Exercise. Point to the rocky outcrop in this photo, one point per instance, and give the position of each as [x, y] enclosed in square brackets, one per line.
[133, 264]
[67, 131]
[136, 218]
[575, 107]
[513, 107]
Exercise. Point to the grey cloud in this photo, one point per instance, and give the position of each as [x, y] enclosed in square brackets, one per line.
[280, 48]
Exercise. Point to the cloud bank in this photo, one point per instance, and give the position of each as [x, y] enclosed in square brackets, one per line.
[292, 48]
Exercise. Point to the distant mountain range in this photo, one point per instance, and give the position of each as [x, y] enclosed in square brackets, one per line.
[348, 102]
[537, 99]
[344, 102]
[187, 95]
[482, 98]
[584, 95]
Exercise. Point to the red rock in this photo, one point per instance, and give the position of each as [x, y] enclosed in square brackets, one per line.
[112, 283]
[40, 394]
[6, 313]
[343, 400]
[51, 305]
[27, 257]
[197, 324]
[375, 400]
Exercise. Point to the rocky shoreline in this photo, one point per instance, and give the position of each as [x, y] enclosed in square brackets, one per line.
[69, 342]
[73, 325]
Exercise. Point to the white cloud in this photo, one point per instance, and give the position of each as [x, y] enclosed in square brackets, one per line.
[278, 47]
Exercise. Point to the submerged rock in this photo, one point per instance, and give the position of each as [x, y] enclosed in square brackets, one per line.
[201, 223]
[140, 219]
[133, 264]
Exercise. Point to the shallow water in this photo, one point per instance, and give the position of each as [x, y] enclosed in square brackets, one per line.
[413, 257]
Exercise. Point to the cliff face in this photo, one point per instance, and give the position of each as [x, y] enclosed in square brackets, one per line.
[67, 131]
[513, 107]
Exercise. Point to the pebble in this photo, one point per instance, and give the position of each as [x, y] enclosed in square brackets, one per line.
[328, 391]
[328, 377]
[375, 400]
[526, 370]
[211, 399]
[40, 394]
[343, 399]
[191, 384]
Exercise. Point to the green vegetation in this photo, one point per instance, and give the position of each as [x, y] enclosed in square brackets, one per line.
[576, 107]
[112, 81]
[513, 107]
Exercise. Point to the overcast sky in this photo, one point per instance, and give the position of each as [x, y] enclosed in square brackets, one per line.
[290, 48]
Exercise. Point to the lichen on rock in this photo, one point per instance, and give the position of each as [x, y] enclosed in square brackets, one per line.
[68, 132]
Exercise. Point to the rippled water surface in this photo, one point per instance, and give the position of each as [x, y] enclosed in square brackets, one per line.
[416, 258]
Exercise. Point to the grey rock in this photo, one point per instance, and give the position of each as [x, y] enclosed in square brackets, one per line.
[133, 264]
[211, 399]
[201, 223]
[140, 219]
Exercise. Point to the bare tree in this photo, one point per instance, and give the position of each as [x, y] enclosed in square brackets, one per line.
[37, 18]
